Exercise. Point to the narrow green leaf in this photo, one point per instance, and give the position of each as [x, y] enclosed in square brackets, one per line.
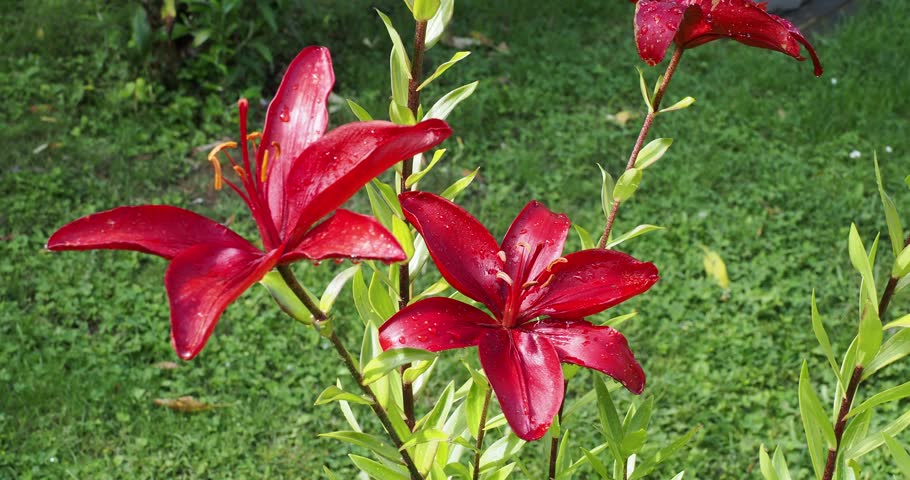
[652, 152]
[365, 440]
[901, 457]
[378, 470]
[361, 295]
[500, 452]
[895, 230]
[627, 184]
[392, 359]
[334, 288]
[767, 469]
[860, 261]
[870, 335]
[424, 436]
[388, 196]
[901, 263]
[563, 460]
[378, 205]
[442, 68]
[645, 91]
[502, 473]
[584, 237]
[857, 429]
[598, 466]
[684, 103]
[328, 473]
[433, 290]
[780, 465]
[459, 185]
[606, 191]
[679, 476]
[819, 328]
[402, 232]
[474, 405]
[358, 111]
[380, 299]
[415, 177]
[400, 114]
[889, 395]
[635, 232]
[437, 25]
[896, 348]
[286, 299]
[414, 372]
[876, 439]
[609, 418]
[444, 106]
[903, 322]
[335, 394]
[397, 45]
[663, 454]
[424, 10]
[633, 441]
[620, 319]
[819, 432]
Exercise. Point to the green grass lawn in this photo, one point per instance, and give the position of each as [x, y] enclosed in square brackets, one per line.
[760, 172]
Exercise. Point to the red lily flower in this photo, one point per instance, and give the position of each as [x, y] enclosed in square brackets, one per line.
[691, 23]
[299, 176]
[519, 281]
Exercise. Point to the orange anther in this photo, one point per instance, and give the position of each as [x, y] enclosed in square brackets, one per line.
[556, 262]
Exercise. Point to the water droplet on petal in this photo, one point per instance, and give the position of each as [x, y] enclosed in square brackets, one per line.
[284, 115]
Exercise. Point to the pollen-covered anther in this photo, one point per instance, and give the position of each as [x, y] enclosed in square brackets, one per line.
[263, 172]
[218, 177]
[239, 171]
[505, 278]
[213, 155]
[501, 255]
[556, 262]
[524, 245]
[548, 281]
[253, 136]
[529, 284]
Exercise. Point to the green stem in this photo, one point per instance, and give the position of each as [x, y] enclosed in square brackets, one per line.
[642, 135]
[320, 318]
[481, 431]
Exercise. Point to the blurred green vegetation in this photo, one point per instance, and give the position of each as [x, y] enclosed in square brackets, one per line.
[761, 173]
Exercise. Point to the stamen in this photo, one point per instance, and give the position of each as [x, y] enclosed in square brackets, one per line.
[548, 282]
[529, 284]
[556, 262]
[239, 171]
[218, 177]
[253, 135]
[524, 245]
[505, 278]
[221, 146]
[501, 255]
[265, 160]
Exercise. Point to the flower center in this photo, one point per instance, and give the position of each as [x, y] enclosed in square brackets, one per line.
[251, 180]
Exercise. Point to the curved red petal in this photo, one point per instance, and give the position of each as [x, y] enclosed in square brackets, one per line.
[201, 282]
[464, 250]
[601, 348]
[296, 118]
[589, 282]
[157, 229]
[656, 25]
[435, 324]
[332, 169]
[746, 22]
[348, 235]
[525, 373]
[534, 240]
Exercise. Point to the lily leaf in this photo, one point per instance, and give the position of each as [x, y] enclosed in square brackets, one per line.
[392, 359]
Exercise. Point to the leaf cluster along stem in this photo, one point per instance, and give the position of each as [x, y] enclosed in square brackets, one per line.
[481, 431]
[842, 421]
[642, 135]
[288, 275]
[554, 443]
[850, 393]
[407, 168]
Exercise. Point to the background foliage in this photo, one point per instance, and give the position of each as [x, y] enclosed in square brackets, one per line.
[761, 173]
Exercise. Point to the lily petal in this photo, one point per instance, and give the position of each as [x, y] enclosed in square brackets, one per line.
[435, 324]
[656, 24]
[462, 248]
[534, 240]
[335, 167]
[296, 118]
[589, 282]
[201, 282]
[156, 229]
[524, 371]
[348, 235]
[601, 348]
